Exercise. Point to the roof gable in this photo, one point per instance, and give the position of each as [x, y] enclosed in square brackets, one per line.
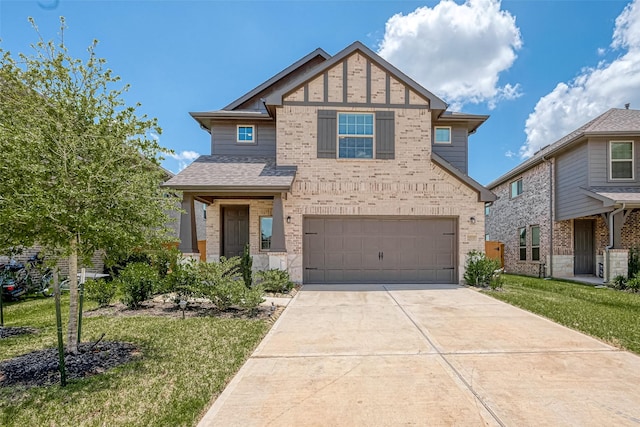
[260, 90]
[614, 121]
[357, 47]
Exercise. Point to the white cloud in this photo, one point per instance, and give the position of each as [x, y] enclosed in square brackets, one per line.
[509, 154]
[593, 91]
[601, 51]
[184, 158]
[455, 50]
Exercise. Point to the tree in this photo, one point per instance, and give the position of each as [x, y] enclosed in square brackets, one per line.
[79, 170]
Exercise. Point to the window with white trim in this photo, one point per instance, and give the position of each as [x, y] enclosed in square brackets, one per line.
[535, 243]
[442, 135]
[522, 237]
[621, 164]
[516, 188]
[246, 134]
[355, 135]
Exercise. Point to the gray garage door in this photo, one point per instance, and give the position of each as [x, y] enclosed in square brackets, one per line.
[379, 250]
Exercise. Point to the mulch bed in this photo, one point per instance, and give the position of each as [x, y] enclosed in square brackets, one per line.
[40, 368]
[12, 331]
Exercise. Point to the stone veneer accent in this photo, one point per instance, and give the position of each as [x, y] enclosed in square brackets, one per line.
[530, 208]
[618, 262]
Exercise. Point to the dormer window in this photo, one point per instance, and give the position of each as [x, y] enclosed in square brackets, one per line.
[442, 135]
[246, 134]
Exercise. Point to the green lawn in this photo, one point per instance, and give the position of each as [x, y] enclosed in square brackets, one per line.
[185, 364]
[610, 315]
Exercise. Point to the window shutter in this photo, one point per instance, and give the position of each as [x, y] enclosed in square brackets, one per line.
[327, 134]
[385, 135]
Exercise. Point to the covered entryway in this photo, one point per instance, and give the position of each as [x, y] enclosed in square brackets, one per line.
[380, 250]
[583, 232]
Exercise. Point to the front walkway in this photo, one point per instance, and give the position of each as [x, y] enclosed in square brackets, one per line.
[425, 355]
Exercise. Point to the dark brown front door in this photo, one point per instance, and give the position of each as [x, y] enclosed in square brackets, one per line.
[584, 252]
[235, 230]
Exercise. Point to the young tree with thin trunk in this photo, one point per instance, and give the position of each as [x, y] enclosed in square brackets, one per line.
[79, 169]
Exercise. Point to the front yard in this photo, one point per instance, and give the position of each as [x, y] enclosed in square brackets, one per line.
[613, 316]
[183, 364]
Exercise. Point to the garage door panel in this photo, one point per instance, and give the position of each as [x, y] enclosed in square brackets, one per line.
[380, 250]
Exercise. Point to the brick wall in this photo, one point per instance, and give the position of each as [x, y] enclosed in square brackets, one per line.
[507, 215]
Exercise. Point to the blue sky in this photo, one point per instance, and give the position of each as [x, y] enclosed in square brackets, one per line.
[539, 68]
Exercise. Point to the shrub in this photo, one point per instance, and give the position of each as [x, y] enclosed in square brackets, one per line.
[619, 282]
[634, 284]
[479, 269]
[496, 280]
[100, 291]
[251, 299]
[246, 264]
[221, 282]
[183, 279]
[137, 281]
[633, 266]
[274, 280]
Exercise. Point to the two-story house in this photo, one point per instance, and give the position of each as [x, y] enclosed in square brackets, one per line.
[573, 207]
[339, 169]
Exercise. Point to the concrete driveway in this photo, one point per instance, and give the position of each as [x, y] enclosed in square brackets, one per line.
[425, 355]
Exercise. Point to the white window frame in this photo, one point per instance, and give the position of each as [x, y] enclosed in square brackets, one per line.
[612, 160]
[372, 136]
[253, 133]
[512, 196]
[442, 142]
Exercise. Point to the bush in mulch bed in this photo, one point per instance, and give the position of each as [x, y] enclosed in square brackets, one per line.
[12, 331]
[40, 368]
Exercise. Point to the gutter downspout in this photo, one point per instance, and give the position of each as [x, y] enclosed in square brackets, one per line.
[551, 219]
[611, 215]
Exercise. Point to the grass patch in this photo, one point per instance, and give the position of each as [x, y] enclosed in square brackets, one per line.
[603, 313]
[185, 364]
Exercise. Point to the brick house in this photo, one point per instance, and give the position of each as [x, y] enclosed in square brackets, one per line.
[339, 169]
[573, 208]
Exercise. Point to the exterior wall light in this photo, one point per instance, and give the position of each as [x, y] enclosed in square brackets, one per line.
[472, 220]
[289, 219]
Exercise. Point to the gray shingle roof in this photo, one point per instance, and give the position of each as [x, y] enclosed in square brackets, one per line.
[613, 121]
[213, 173]
[617, 195]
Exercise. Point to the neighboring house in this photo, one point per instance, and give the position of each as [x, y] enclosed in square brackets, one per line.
[572, 208]
[340, 170]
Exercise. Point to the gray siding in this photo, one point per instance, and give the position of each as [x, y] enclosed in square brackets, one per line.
[599, 163]
[572, 172]
[223, 140]
[455, 153]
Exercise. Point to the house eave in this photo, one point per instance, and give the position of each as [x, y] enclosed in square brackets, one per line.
[484, 195]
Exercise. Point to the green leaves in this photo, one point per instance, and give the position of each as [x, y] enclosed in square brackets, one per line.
[77, 161]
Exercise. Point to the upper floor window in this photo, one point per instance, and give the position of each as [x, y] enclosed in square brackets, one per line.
[516, 188]
[535, 243]
[522, 237]
[246, 134]
[355, 135]
[487, 209]
[621, 160]
[442, 135]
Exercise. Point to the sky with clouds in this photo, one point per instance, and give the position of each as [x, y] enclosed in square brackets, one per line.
[539, 68]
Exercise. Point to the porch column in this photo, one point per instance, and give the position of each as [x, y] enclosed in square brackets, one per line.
[277, 226]
[618, 222]
[188, 237]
